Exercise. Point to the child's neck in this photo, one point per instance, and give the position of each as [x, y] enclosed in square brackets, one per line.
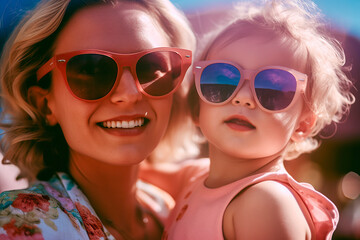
[225, 169]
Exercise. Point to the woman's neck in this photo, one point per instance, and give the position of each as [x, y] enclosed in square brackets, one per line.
[225, 168]
[111, 190]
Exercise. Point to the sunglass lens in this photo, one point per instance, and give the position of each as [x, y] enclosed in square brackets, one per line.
[159, 72]
[218, 82]
[91, 76]
[275, 88]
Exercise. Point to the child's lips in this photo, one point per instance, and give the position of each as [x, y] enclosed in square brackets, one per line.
[239, 123]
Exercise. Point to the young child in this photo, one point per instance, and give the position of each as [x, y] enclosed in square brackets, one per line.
[267, 83]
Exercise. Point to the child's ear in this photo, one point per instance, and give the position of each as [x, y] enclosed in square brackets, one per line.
[305, 126]
[37, 97]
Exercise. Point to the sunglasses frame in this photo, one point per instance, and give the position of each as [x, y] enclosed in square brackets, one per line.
[130, 60]
[249, 75]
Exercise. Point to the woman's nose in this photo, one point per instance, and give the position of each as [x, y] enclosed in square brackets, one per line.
[126, 89]
[244, 97]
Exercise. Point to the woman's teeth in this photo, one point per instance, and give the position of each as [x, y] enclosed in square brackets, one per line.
[124, 124]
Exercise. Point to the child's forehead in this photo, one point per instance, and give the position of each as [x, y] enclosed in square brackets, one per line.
[259, 49]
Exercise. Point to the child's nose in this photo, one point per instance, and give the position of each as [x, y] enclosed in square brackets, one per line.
[126, 89]
[244, 97]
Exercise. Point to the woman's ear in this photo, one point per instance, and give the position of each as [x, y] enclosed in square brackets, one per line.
[305, 126]
[37, 97]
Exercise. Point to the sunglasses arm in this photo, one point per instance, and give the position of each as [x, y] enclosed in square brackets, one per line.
[45, 69]
[303, 80]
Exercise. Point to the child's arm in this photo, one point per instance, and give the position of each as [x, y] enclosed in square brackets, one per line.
[267, 210]
[173, 177]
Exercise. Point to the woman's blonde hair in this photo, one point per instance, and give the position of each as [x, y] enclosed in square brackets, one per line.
[301, 27]
[28, 142]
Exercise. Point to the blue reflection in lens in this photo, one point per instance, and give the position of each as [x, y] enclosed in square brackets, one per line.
[218, 81]
[275, 88]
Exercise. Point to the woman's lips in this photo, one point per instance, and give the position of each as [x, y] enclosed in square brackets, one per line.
[239, 123]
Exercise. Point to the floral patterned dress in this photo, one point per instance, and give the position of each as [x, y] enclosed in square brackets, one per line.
[56, 209]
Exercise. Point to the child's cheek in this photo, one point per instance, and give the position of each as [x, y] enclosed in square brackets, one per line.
[285, 120]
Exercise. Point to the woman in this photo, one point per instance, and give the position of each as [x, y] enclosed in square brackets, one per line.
[89, 88]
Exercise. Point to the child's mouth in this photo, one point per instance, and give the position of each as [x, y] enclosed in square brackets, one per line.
[240, 124]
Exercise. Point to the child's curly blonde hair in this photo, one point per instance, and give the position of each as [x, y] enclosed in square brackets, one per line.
[300, 26]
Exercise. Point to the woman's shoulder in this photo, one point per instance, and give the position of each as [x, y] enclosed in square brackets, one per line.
[43, 209]
[38, 196]
[35, 197]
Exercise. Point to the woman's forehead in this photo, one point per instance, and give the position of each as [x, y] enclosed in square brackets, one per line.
[118, 28]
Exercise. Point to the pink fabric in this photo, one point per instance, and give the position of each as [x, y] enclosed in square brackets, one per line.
[199, 211]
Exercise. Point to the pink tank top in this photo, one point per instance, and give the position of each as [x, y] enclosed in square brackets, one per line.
[199, 211]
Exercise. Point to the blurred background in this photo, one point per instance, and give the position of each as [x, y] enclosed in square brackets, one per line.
[333, 169]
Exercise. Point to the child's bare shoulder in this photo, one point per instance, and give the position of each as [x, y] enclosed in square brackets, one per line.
[266, 210]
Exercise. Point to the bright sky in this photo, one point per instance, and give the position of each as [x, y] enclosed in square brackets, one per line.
[344, 13]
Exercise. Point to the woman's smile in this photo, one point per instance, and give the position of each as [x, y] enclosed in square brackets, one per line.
[125, 127]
